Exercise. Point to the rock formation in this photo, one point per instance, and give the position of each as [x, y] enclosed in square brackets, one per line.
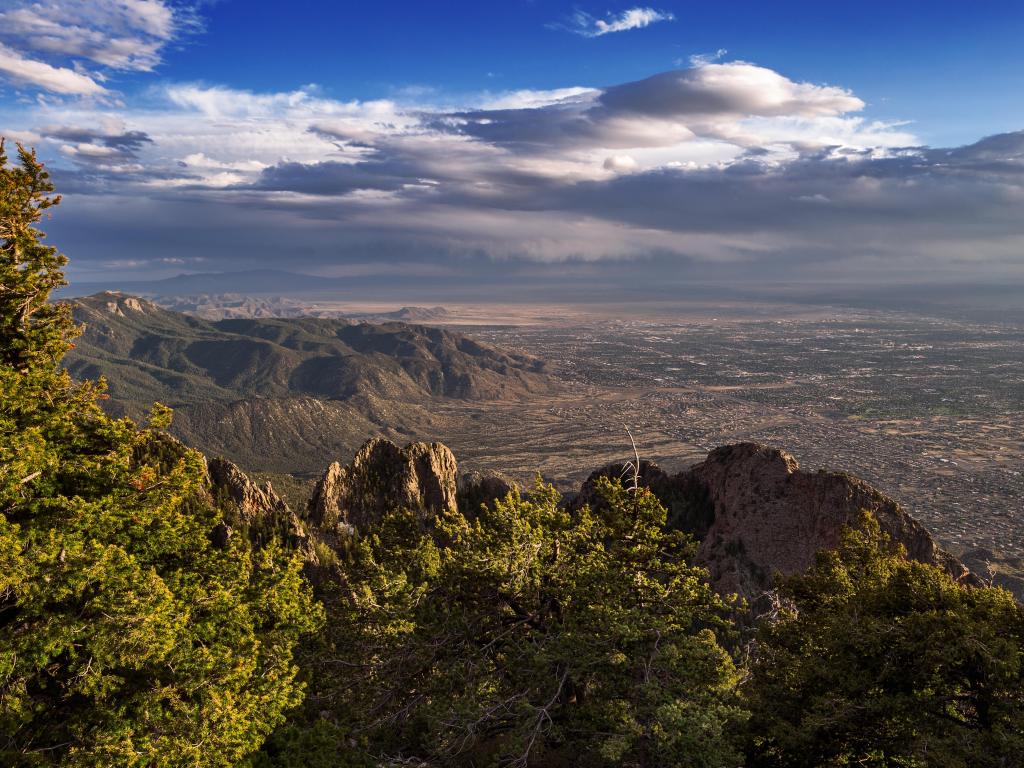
[769, 515]
[253, 501]
[756, 513]
[753, 510]
[382, 476]
[476, 488]
[260, 512]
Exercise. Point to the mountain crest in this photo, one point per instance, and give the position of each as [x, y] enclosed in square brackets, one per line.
[121, 304]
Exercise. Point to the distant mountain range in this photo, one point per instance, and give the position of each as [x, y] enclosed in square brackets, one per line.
[1000, 302]
[281, 394]
[223, 306]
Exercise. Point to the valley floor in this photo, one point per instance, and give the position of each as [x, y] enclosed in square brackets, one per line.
[930, 411]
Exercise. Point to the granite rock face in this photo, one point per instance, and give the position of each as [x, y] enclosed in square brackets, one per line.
[260, 512]
[756, 513]
[771, 516]
[381, 477]
[253, 501]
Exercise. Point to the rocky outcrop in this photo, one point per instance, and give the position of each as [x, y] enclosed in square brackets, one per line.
[756, 513]
[751, 507]
[381, 477]
[253, 501]
[257, 511]
[771, 516]
[476, 488]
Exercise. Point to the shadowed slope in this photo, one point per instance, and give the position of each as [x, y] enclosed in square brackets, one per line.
[283, 394]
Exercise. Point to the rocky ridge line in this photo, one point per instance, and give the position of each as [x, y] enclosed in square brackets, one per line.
[753, 509]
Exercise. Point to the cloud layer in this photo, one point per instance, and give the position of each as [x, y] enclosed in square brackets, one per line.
[724, 168]
[69, 47]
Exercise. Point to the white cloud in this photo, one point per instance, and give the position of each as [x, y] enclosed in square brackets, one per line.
[90, 150]
[735, 88]
[635, 18]
[199, 160]
[724, 162]
[44, 37]
[736, 103]
[20, 69]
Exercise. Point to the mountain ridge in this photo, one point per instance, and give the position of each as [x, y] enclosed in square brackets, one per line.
[263, 391]
[758, 513]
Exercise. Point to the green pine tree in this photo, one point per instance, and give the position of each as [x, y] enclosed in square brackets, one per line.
[126, 637]
[879, 661]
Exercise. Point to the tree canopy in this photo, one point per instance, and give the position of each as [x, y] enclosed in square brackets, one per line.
[877, 660]
[527, 634]
[126, 636]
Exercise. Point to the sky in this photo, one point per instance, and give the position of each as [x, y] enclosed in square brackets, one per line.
[477, 143]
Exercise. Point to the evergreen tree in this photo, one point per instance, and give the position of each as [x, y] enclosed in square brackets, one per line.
[531, 635]
[126, 636]
[883, 661]
[32, 330]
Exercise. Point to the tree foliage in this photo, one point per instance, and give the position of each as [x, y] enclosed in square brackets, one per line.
[531, 635]
[883, 661]
[126, 637]
[31, 329]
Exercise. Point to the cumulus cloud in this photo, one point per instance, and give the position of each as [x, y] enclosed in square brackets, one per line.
[725, 163]
[635, 18]
[51, 44]
[20, 69]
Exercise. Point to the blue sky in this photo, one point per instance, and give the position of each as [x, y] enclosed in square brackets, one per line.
[952, 68]
[830, 141]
